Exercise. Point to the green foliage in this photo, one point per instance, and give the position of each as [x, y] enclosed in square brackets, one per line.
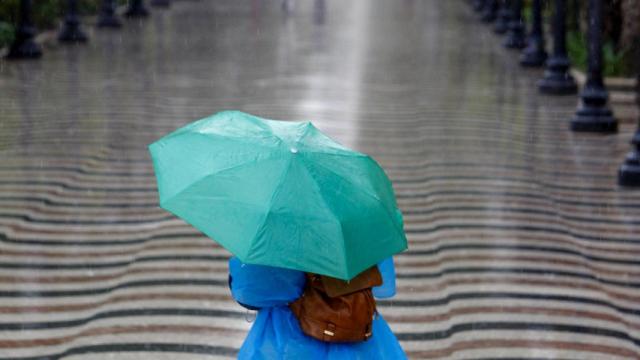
[6, 33]
[9, 11]
[614, 61]
[46, 14]
[577, 49]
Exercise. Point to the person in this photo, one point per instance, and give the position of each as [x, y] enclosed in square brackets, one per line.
[276, 333]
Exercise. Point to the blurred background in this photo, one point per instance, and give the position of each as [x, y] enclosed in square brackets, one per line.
[509, 129]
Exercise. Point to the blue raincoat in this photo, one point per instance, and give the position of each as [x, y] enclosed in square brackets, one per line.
[276, 334]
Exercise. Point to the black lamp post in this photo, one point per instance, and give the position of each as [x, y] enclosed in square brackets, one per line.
[136, 9]
[515, 36]
[161, 3]
[629, 173]
[23, 46]
[593, 114]
[503, 17]
[71, 32]
[574, 18]
[557, 80]
[534, 55]
[107, 16]
[490, 11]
[478, 5]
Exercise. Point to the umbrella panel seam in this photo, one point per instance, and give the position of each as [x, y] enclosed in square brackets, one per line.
[217, 173]
[326, 204]
[276, 191]
[392, 216]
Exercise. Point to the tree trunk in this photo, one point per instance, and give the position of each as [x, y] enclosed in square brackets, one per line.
[630, 24]
[630, 36]
[612, 21]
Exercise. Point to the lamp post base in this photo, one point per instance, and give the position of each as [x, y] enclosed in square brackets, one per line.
[490, 12]
[24, 49]
[109, 21]
[629, 172]
[502, 21]
[136, 10]
[515, 39]
[71, 32]
[161, 3]
[593, 115]
[557, 80]
[478, 5]
[533, 55]
[562, 84]
[594, 120]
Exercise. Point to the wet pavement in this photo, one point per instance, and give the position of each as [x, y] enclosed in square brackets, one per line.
[521, 244]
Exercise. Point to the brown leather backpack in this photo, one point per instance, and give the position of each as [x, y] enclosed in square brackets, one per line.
[333, 310]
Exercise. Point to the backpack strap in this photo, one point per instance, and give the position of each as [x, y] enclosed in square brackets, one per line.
[369, 331]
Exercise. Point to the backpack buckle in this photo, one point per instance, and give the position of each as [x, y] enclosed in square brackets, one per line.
[329, 331]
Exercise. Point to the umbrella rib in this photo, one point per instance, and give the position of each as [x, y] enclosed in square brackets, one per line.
[338, 151]
[307, 127]
[400, 231]
[239, 139]
[276, 191]
[326, 204]
[217, 173]
[341, 150]
[194, 129]
[343, 153]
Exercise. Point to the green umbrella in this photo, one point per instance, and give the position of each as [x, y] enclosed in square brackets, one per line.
[279, 193]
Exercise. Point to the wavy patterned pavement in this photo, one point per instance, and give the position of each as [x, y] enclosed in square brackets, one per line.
[521, 244]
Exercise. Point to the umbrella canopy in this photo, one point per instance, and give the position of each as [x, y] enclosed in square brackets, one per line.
[279, 193]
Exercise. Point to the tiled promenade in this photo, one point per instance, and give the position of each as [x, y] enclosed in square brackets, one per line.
[521, 244]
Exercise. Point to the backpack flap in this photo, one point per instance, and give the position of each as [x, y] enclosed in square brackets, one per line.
[366, 279]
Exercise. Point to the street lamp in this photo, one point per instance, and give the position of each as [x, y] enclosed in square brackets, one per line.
[71, 32]
[503, 17]
[515, 36]
[557, 80]
[136, 9]
[161, 3]
[593, 114]
[23, 46]
[534, 55]
[107, 16]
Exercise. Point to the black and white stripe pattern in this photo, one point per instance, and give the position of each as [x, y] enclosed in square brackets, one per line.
[521, 244]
